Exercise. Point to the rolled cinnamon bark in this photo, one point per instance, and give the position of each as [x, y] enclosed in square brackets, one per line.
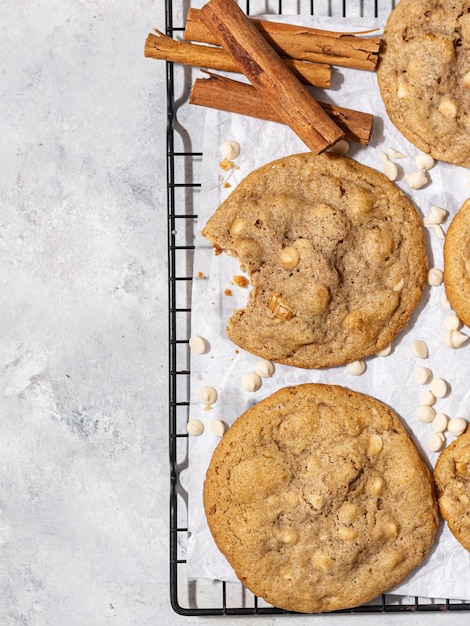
[264, 69]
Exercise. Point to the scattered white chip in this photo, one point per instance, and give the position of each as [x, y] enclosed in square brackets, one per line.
[439, 387]
[427, 398]
[217, 428]
[422, 375]
[435, 442]
[385, 351]
[435, 277]
[454, 338]
[452, 322]
[444, 301]
[439, 215]
[391, 170]
[251, 381]
[457, 426]
[437, 230]
[340, 147]
[425, 414]
[264, 368]
[439, 423]
[207, 395]
[395, 154]
[356, 368]
[420, 349]
[383, 156]
[424, 161]
[416, 180]
[230, 149]
[194, 427]
[198, 344]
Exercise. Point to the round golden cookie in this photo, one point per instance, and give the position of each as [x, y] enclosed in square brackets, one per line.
[452, 478]
[424, 76]
[457, 263]
[319, 499]
[335, 254]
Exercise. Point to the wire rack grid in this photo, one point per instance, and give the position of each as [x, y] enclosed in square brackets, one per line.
[184, 158]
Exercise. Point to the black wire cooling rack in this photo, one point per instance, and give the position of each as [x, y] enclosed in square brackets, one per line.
[184, 158]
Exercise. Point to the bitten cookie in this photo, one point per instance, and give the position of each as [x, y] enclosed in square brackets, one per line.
[335, 255]
[452, 477]
[424, 76]
[319, 499]
[457, 263]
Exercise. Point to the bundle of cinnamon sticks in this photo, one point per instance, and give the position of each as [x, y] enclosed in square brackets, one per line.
[280, 61]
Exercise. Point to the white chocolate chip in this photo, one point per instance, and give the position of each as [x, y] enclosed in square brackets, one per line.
[457, 425]
[439, 423]
[251, 381]
[194, 427]
[424, 161]
[217, 428]
[356, 368]
[391, 170]
[394, 154]
[439, 387]
[385, 351]
[403, 91]
[416, 180]
[438, 231]
[422, 375]
[427, 398]
[434, 442]
[340, 147]
[420, 349]
[438, 214]
[264, 368]
[452, 322]
[375, 445]
[289, 257]
[466, 80]
[207, 395]
[454, 338]
[198, 344]
[230, 149]
[435, 277]
[457, 338]
[383, 156]
[448, 107]
[425, 414]
[444, 301]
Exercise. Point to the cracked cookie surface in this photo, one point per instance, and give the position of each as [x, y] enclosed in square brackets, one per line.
[424, 76]
[335, 254]
[452, 478]
[319, 499]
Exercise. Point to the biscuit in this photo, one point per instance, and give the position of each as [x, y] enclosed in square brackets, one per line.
[319, 499]
[452, 478]
[457, 263]
[335, 254]
[424, 76]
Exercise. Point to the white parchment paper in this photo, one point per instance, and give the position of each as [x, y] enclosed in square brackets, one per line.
[446, 571]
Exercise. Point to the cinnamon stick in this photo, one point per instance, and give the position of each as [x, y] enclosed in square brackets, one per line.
[225, 94]
[160, 46]
[265, 70]
[298, 42]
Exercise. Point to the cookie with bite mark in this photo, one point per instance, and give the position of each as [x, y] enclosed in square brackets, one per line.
[335, 254]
